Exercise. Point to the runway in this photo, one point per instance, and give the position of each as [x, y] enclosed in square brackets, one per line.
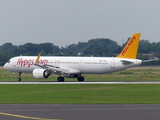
[140, 82]
[79, 111]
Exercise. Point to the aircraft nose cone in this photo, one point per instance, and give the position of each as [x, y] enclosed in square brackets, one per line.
[5, 66]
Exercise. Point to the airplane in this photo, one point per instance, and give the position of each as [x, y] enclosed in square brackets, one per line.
[73, 67]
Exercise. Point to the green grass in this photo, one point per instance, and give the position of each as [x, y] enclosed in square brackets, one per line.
[80, 94]
[84, 93]
[132, 74]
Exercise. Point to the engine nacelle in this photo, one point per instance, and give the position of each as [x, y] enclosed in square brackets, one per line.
[40, 73]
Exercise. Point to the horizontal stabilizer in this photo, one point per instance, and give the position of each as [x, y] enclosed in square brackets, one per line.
[125, 62]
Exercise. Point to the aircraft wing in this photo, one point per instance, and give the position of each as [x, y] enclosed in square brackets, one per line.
[153, 59]
[67, 72]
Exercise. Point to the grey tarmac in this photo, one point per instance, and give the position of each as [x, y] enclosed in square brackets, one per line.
[79, 111]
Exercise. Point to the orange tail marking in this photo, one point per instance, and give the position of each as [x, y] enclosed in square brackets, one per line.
[131, 48]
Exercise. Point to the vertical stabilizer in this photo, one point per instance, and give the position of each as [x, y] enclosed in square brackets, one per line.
[131, 48]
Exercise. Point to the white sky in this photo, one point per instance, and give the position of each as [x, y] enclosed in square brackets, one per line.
[63, 22]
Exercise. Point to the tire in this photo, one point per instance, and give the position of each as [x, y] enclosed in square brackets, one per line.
[19, 79]
[60, 79]
[80, 79]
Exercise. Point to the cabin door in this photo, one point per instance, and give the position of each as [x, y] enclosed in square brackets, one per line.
[112, 64]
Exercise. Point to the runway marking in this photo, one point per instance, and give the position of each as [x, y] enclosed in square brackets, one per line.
[20, 116]
[88, 109]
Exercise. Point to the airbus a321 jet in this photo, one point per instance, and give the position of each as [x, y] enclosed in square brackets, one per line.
[75, 67]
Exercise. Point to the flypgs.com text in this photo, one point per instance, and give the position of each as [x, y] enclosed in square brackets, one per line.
[28, 62]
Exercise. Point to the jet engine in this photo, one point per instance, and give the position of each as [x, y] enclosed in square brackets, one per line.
[40, 73]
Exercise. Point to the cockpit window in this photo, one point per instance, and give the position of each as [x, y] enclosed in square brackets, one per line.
[9, 61]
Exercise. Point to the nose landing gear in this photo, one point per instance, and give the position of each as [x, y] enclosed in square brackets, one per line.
[19, 76]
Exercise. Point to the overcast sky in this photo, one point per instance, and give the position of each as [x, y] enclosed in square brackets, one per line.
[63, 22]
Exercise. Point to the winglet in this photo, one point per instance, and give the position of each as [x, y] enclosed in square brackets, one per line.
[38, 57]
[131, 48]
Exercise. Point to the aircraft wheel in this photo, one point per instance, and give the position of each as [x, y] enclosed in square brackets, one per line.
[80, 79]
[19, 76]
[19, 79]
[60, 79]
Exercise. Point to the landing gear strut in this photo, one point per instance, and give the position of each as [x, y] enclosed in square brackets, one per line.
[19, 76]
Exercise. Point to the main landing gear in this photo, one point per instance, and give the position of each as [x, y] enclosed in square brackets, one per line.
[19, 76]
[61, 79]
[80, 79]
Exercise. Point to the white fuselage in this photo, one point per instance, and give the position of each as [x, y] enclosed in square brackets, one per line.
[86, 65]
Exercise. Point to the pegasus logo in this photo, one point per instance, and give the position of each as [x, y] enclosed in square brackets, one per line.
[128, 45]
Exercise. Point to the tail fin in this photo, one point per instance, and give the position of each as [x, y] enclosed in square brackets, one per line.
[131, 48]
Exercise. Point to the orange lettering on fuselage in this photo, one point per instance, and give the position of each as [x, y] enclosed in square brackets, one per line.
[128, 45]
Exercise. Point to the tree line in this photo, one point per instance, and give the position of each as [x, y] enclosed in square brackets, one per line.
[100, 47]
